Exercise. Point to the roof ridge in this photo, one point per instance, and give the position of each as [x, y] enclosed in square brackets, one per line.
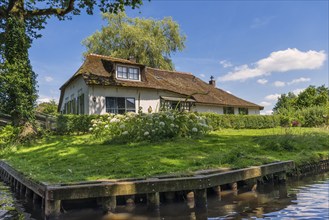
[111, 58]
[171, 71]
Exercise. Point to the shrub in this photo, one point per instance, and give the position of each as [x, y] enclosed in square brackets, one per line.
[241, 121]
[308, 117]
[67, 124]
[152, 127]
[7, 135]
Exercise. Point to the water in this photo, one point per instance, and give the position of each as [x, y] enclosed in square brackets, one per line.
[305, 198]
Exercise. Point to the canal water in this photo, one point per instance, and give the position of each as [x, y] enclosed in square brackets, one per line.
[303, 198]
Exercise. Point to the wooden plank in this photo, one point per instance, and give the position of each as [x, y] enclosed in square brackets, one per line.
[163, 185]
[35, 187]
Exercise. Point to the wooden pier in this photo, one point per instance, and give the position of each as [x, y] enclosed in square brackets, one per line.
[106, 192]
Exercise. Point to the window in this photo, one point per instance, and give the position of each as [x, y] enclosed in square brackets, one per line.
[243, 111]
[131, 73]
[120, 105]
[174, 105]
[80, 104]
[229, 110]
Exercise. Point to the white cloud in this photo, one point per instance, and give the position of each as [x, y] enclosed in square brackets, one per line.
[272, 97]
[202, 75]
[297, 91]
[278, 61]
[225, 63]
[267, 112]
[299, 80]
[48, 78]
[265, 104]
[279, 84]
[44, 98]
[262, 81]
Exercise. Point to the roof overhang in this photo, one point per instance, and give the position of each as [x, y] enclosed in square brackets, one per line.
[177, 99]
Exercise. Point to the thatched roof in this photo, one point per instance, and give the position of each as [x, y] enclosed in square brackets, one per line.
[100, 70]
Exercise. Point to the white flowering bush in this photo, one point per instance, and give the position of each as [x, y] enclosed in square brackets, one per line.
[133, 127]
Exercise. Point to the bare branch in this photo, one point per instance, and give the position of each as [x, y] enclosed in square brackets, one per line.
[51, 11]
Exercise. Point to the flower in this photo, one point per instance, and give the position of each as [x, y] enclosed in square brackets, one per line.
[122, 126]
[113, 120]
[172, 125]
[146, 133]
[125, 133]
[106, 126]
[162, 123]
[194, 129]
[90, 129]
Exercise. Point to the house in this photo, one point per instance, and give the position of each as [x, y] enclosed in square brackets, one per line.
[106, 84]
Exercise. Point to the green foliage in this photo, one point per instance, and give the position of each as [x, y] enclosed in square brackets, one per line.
[311, 96]
[68, 124]
[307, 117]
[149, 127]
[48, 108]
[17, 80]
[149, 41]
[7, 135]
[241, 121]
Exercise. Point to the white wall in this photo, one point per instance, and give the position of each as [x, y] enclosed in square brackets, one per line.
[75, 88]
[208, 108]
[253, 111]
[143, 97]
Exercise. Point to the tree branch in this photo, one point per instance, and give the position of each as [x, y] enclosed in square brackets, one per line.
[51, 11]
[3, 12]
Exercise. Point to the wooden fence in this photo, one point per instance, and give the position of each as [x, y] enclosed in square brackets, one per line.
[45, 121]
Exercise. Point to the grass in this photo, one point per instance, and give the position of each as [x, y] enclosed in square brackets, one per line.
[55, 159]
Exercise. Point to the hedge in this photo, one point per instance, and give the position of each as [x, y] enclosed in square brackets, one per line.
[67, 124]
[242, 121]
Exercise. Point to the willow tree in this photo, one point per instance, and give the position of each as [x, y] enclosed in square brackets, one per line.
[149, 41]
[20, 21]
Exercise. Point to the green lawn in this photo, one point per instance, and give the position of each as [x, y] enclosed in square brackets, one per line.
[57, 159]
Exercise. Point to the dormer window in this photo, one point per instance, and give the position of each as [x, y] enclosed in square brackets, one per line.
[127, 72]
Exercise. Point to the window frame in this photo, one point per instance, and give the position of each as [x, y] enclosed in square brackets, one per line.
[243, 111]
[119, 110]
[228, 110]
[128, 73]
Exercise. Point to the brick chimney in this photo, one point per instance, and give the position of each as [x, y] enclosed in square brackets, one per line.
[212, 81]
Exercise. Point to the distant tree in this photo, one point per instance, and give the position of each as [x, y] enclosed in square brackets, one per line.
[20, 21]
[311, 96]
[48, 108]
[285, 101]
[150, 42]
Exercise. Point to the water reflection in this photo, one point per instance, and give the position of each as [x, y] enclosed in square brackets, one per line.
[305, 198]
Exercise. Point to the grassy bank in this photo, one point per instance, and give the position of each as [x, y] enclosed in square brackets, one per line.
[78, 158]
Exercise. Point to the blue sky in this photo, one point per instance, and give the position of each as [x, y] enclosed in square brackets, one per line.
[255, 49]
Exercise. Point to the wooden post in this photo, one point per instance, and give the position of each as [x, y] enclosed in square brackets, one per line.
[217, 190]
[52, 209]
[200, 198]
[109, 204]
[234, 187]
[28, 193]
[35, 198]
[153, 200]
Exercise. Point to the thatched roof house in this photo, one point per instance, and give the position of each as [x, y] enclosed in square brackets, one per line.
[106, 84]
